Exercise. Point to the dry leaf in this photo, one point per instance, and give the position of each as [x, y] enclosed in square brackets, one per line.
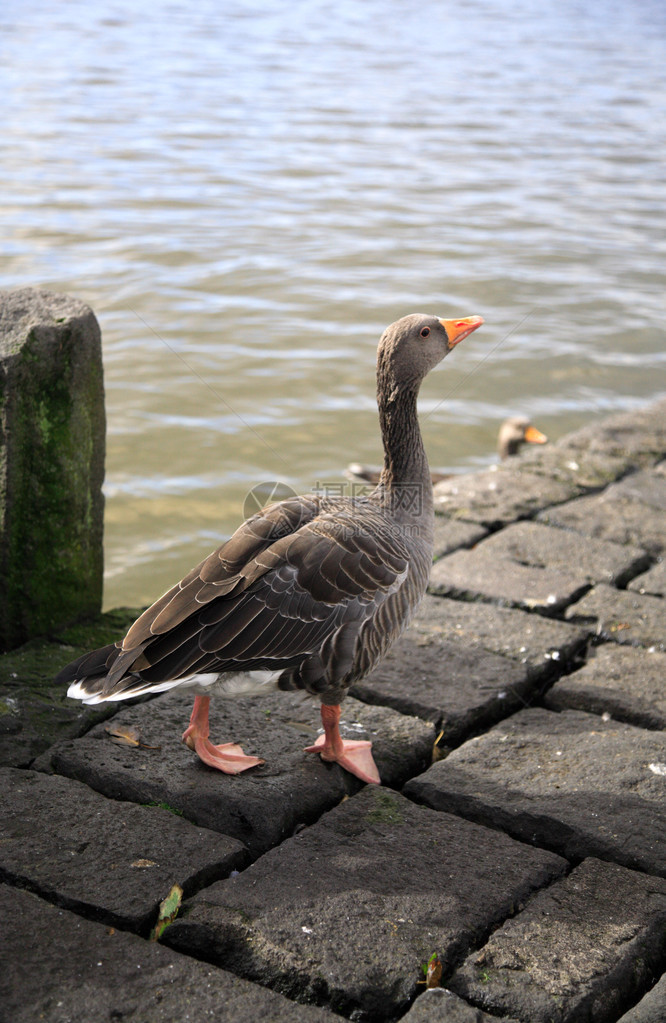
[168, 912]
[143, 863]
[434, 974]
[125, 735]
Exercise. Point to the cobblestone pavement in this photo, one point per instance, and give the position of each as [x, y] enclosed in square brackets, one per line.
[519, 833]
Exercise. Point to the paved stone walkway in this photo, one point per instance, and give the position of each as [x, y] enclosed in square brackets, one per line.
[519, 833]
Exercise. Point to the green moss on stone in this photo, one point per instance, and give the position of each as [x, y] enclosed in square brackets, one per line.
[52, 542]
[385, 810]
[37, 711]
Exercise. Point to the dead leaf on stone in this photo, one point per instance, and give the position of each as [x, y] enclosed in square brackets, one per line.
[438, 753]
[434, 973]
[125, 735]
[168, 912]
[143, 863]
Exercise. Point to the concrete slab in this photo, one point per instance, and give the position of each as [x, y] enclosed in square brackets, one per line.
[651, 1008]
[579, 951]
[108, 860]
[570, 782]
[543, 645]
[622, 616]
[438, 1005]
[64, 969]
[264, 805]
[534, 566]
[629, 683]
[346, 911]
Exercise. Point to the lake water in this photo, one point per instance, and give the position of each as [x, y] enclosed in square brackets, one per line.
[247, 193]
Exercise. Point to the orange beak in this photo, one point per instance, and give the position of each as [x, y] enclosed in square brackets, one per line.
[535, 436]
[456, 330]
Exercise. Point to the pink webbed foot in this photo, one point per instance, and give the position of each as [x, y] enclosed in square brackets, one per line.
[353, 754]
[228, 756]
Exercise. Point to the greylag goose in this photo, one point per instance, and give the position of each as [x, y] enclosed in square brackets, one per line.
[308, 593]
[513, 433]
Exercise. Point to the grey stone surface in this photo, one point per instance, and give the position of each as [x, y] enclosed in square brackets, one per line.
[457, 688]
[68, 970]
[581, 470]
[262, 806]
[577, 952]
[543, 645]
[109, 860]
[622, 616]
[439, 1005]
[635, 439]
[348, 910]
[652, 582]
[632, 511]
[450, 534]
[647, 487]
[498, 496]
[52, 442]
[629, 683]
[651, 1008]
[570, 782]
[534, 566]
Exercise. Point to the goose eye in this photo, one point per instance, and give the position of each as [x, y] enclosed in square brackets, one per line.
[425, 331]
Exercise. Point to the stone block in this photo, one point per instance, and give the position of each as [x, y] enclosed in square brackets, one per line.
[647, 487]
[651, 1008]
[60, 968]
[439, 1005]
[52, 442]
[579, 951]
[581, 470]
[622, 616]
[652, 582]
[635, 439]
[632, 511]
[459, 689]
[534, 566]
[451, 534]
[570, 782]
[109, 860]
[262, 806]
[497, 496]
[543, 645]
[629, 683]
[348, 910]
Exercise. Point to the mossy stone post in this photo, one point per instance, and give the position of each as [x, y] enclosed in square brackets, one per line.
[52, 441]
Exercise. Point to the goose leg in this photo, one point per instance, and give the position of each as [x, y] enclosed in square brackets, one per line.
[353, 755]
[228, 757]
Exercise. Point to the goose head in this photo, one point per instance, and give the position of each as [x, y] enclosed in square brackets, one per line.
[414, 345]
